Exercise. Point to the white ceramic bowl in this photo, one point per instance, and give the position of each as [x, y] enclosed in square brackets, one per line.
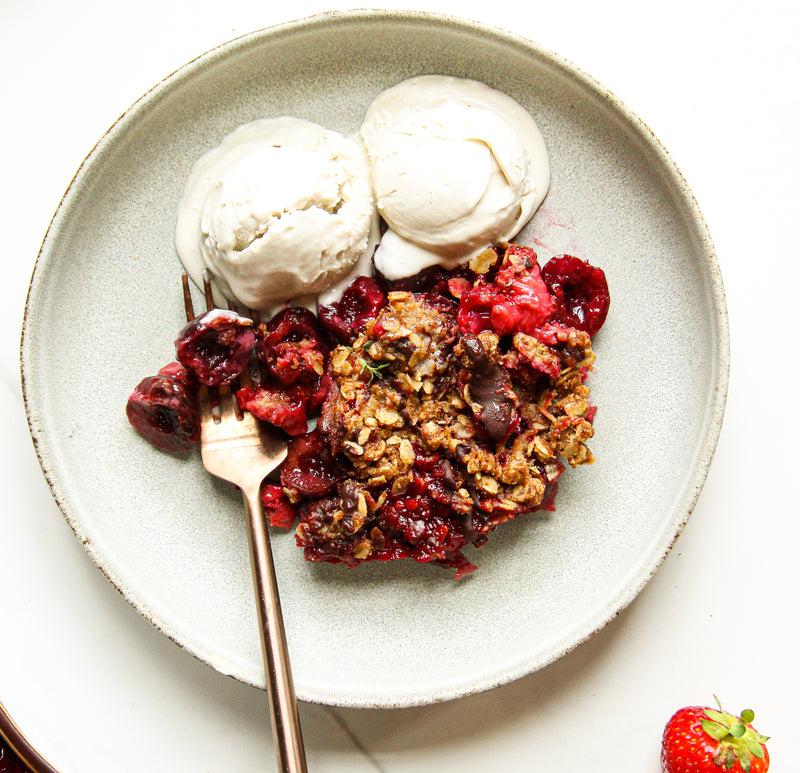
[104, 308]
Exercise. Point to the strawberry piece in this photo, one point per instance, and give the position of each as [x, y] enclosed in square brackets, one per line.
[698, 739]
[517, 301]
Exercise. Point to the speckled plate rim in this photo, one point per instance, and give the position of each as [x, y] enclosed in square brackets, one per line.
[678, 186]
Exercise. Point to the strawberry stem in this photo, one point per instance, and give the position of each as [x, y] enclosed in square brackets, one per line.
[737, 741]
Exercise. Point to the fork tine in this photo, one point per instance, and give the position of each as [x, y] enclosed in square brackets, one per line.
[228, 406]
[243, 379]
[187, 297]
[204, 401]
[204, 394]
[207, 290]
[225, 395]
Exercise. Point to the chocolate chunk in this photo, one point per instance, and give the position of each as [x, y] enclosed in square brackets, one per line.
[352, 518]
[490, 388]
[348, 491]
[448, 474]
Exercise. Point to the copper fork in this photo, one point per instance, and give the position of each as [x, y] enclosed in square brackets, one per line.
[235, 447]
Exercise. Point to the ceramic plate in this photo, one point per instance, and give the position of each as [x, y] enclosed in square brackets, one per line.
[105, 306]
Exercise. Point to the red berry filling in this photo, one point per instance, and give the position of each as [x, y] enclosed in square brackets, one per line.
[451, 405]
[517, 300]
[164, 411]
[310, 468]
[345, 319]
[277, 507]
[216, 346]
[179, 373]
[294, 349]
[293, 346]
[287, 407]
[580, 290]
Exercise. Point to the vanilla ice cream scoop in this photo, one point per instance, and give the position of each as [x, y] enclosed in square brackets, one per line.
[281, 208]
[455, 166]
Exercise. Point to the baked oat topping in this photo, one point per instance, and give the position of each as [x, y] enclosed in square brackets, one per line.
[447, 433]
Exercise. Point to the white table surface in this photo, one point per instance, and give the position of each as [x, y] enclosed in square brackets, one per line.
[81, 671]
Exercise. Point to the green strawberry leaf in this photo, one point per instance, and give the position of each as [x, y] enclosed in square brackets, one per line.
[744, 761]
[747, 716]
[716, 730]
[738, 730]
[719, 716]
[754, 747]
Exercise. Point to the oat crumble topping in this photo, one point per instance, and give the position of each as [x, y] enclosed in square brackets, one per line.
[448, 403]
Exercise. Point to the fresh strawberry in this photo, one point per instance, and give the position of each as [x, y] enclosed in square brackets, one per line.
[703, 740]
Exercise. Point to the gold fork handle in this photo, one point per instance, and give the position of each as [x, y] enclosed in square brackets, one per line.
[286, 730]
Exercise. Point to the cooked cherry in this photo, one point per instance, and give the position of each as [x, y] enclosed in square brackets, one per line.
[434, 280]
[361, 301]
[581, 292]
[280, 511]
[318, 535]
[425, 530]
[294, 346]
[285, 407]
[164, 411]
[216, 346]
[310, 468]
[179, 373]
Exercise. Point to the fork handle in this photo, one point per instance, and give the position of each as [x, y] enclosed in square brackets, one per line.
[286, 730]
